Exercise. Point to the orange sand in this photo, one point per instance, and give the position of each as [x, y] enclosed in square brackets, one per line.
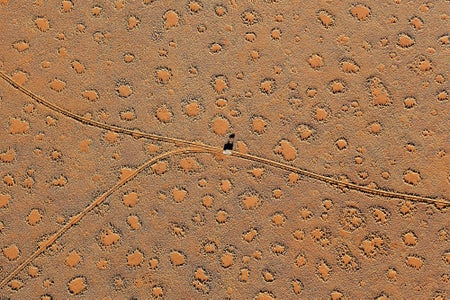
[354, 91]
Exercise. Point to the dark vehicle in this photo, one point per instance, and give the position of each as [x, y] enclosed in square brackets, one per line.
[228, 147]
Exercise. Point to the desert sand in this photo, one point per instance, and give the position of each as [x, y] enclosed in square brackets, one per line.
[113, 118]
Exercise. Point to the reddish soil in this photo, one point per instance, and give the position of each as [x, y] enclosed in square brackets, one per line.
[114, 186]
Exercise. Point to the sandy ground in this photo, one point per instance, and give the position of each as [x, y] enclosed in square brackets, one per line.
[354, 91]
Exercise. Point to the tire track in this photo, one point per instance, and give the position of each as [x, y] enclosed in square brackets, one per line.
[192, 147]
[134, 133]
[77, 218]
[178, 142]
[340, 183]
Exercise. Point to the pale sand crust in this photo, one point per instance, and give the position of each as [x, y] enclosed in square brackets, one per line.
[356, 92]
